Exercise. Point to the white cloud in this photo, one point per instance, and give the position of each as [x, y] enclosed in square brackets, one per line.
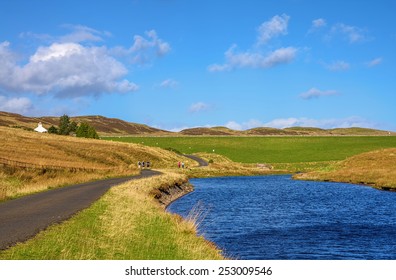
[234, 125]
[169, 83]
[353, 121]
[374, 62]
[339, 65]
[257, 57]
[279, 56]
[144, 50]
[274, 27]
[21, 105]
[219, 67]
[317, 23]
[141, 43]
[352, 33]
[65, 70]
[254, 59]
[199, 107]
[81, 33]
[252, 123]
[78, 34]
[316, 93]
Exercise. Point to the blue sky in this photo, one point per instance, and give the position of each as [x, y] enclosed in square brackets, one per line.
[174, 64]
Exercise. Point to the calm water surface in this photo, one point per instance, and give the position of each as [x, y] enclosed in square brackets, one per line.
[275, 217]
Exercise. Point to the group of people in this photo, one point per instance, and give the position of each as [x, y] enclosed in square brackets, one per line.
[180, 164]
[144, 164]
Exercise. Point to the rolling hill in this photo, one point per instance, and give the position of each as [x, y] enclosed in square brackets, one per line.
[104, 126]
[116, 127]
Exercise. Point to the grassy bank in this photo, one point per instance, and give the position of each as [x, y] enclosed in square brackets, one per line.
[126, 223]
[375, 168]
[272, 150]
[222, 166]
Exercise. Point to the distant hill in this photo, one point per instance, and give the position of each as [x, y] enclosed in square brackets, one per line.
[103, 125]
[267, 131]
[111, 126]
[219, 130]
[290, 131]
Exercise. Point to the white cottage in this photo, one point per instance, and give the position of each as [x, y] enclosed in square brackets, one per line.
[40, 128]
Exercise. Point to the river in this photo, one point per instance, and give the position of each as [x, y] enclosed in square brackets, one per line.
[276, 217]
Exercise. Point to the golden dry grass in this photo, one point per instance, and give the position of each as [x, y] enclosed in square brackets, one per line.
[376, 168]
[31, 161]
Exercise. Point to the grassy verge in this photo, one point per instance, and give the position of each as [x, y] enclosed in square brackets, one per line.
[375, 168]
[16, 182]
[126, 223]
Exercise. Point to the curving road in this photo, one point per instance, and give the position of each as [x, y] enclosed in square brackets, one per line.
[200, 161]
[23, 218]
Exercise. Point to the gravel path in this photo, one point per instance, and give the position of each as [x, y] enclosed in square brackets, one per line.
[23, 218]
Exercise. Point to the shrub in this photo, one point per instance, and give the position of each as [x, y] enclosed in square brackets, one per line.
[52, 129]
[87, 131]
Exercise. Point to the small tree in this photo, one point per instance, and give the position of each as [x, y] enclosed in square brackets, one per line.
[87, 131]
[64, 125]
[73, 127]
[92, 133]
[53, 130]
[82, 130]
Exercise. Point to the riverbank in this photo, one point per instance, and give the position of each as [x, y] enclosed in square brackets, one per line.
[126, 223]
[375, 169]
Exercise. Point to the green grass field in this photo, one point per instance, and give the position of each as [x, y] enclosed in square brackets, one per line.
[271, 149]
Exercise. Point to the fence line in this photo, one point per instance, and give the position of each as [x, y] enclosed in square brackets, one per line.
[28, 165]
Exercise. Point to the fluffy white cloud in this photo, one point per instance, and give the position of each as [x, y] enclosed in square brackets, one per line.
[316, 93]
[339, 65]
[256, 57]
[65, 70]
[199, 107]
[144, 49]
[374, 62]
[66, 67]
[274, 27]
[19, 105]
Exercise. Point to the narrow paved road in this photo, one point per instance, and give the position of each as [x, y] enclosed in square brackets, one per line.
[23, 218]
[200, 161]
